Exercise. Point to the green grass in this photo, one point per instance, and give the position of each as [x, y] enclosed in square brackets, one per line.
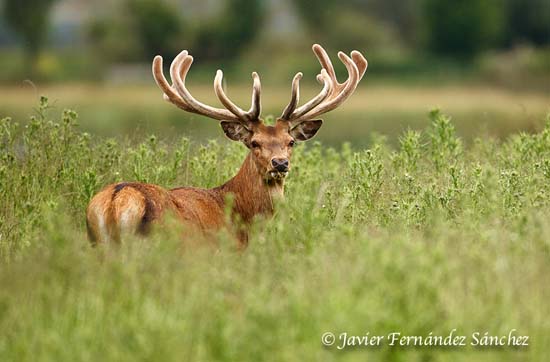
[427, 236]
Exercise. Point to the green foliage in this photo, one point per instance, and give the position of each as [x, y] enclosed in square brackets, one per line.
[30, 20]
[528, 21]
[445, 146]
[114, 40]
[427, 237]
[226, 36]
[315, 16]
[139, 29]
[395, 34]
[462, 28]
[158, 26]
[349, 25]
[403, 15]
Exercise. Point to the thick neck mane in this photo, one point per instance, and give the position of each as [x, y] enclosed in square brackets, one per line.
[252, 193]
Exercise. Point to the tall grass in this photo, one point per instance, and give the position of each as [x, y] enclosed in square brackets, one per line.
[425, 237]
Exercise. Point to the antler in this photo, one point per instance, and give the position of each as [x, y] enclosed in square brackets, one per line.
[178, 94]
[333, 93]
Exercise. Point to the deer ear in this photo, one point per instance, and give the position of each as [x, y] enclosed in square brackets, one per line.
[235, 131]
[306, 129]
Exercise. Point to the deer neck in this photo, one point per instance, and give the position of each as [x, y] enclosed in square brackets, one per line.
[252, 193]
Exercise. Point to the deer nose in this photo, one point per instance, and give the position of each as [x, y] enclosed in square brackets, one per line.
[280, 164]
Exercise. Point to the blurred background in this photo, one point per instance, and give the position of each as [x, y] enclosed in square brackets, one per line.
[484, 62]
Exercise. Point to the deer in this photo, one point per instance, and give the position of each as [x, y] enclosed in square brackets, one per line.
[134, 207]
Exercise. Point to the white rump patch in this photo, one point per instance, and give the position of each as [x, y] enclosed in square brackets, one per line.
[102, 226]
[131, 216]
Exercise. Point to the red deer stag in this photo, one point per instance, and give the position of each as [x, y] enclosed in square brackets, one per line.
[131, 207]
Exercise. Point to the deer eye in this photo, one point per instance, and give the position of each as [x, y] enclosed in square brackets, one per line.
[255, 144]
[291, 143]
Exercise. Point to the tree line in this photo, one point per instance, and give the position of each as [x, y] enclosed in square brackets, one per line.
[139, 29]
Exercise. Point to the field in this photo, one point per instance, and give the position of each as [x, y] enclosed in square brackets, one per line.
[478, 110]
[422, 232]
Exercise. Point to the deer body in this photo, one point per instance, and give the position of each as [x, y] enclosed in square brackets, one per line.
[133, 207]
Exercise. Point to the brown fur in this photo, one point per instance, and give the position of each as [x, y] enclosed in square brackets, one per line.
[133, 207]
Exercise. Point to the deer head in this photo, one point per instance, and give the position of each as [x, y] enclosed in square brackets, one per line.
[270, 146]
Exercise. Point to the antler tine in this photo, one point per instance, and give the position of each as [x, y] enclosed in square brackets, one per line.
[314, 102]
[256, 106]
[333, 93]
[294, 98]
[340, 91]
[324, 59]
[163, 84]
[181, 68]
[224, 99]
[360, 62]
[331, 96]
[175, 70]
[178, 94]
[343, 90]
